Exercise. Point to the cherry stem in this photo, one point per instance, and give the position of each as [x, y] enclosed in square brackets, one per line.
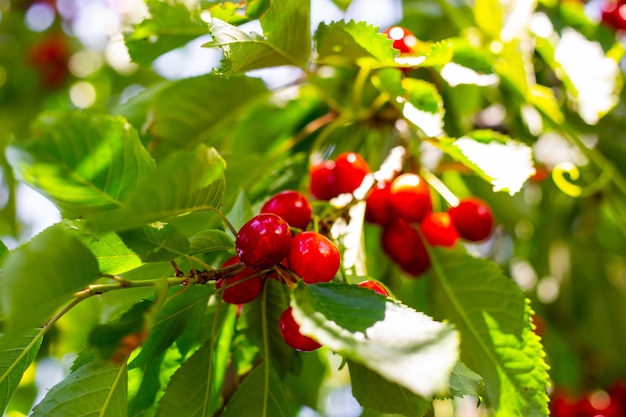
[224, 220]
[440, 187]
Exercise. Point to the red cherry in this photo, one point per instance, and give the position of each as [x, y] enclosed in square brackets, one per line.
[292, 206]
[350, 169]
[240, 288]
[323, 183]
[290, 330]
[374, 286]
[378, 208]
[403, 39]
[50, 57]
[439, 230]
[563, 405]
[313, 257]
[404, 245]
[614, 14]
[410, 197]
[472, 218]
[263, 241]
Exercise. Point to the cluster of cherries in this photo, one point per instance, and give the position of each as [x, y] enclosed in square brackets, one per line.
[595, 404]
[276, 245]
[404, 208]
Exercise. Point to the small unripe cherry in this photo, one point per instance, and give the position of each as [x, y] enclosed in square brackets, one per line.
[313, 257]
[263, 241]
[472, 218]
[410, 197]
[374, 286]
[350, 169]
[242, 287]
[292, 206]
[290, 330]
[323, 182]
[438, 229]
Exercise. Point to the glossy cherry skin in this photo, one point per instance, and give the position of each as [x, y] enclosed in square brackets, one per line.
[404, 245]
[263, 241]
[290, 330]
[374, 286]
[614, 14]
[410, 197]
[378, 208]
[313, 257]
[292, 206]
[472, 218]
[350, 169]
[323, 183]
[240, 288]
[438, 229]
[403, 39]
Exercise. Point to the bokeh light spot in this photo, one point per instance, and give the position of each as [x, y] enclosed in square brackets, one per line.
[39, 17]
[83, 94]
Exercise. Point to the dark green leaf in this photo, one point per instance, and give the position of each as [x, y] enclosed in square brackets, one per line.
[114, 257]
[83, 162]
[156, 242]
[97, 389]
[340, 42]
[285, 42]
[13, 363]
[195, 389]
[464, 381]
[4, 252]
[497, 340]
[372, 330]
[148, 388]
[191, 111]
[185, 182]
[172, 320]
[342, 4]
[42, 275]
[377, 393]
[209, 241]
[170, 26]
[261, 394]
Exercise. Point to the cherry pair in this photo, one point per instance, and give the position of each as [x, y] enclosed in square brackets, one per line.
[329, 178]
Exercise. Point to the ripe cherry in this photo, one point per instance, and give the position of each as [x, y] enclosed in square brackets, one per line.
[378, 208]
[263, 241]
[323, 183]
[242, 287]
[374, 286]
[614, 14]
[313, 257]
[290, 330]
[472, 218]
[350, 169]
[439, 230]
[404, 245]
[410, 197]
[292, 206]
[403, 39]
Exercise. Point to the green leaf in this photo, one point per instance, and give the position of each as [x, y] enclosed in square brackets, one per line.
[428, 54]
[83, 162]
[113, 256]
[172, 320]
[209, 241]
[97, 389]
[228, 12]
[40, 276]
[241, 212]
[170, 26]
[498, 343]
[261, 394]
[4, 252]
[192, 111]
[423, 106]
[374, 392]
[343, 4]
[287, 39]
[185, 182]
[371, 330]
[489, 17]
[464, 382]
[504, 162]
[341, 42]
[13, 363]
[156, 242]
[195, 389]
